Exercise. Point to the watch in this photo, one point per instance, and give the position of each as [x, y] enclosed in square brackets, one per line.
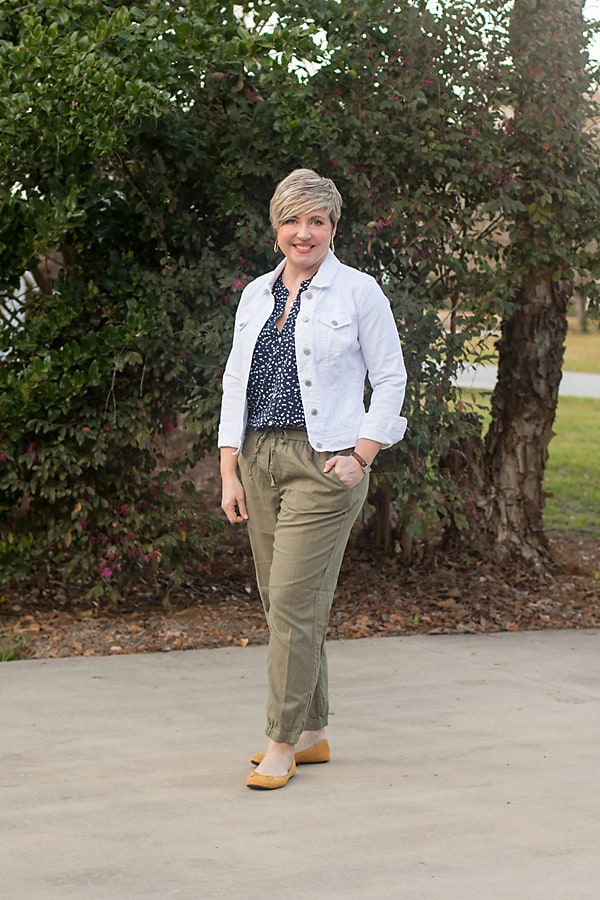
[365, 466]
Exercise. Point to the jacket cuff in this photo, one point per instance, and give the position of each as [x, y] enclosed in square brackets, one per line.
[385, 430]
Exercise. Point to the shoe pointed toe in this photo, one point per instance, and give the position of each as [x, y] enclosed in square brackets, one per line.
[259, 782]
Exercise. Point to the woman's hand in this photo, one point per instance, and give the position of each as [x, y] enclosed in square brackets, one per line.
[347, 469]
[233, 500]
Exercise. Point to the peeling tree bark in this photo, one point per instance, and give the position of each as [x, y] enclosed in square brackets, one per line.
[523, 410]
[547, 41]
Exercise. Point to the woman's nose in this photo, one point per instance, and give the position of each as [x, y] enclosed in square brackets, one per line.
[303, 229]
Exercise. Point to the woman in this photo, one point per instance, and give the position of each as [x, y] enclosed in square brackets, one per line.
[297, 445]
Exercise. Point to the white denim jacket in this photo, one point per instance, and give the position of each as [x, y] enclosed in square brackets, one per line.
[345, 328]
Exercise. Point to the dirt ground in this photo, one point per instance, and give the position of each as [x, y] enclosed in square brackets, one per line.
[441, 594]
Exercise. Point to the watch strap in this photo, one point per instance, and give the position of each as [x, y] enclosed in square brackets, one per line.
[365, 466]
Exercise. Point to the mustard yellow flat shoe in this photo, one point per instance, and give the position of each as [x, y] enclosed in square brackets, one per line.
[270, 782]
[318, 753]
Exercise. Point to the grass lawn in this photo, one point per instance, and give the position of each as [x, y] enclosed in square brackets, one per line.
[582, 350]
[572, 477]
[573, 470]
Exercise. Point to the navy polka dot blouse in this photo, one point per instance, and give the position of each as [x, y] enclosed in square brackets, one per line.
[273, 394]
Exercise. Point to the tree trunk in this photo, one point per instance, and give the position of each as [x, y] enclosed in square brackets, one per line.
[523, 410]
[547, 47]
[382, 502]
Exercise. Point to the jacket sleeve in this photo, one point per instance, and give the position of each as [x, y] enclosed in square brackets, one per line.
[382, 353]
[233, 401]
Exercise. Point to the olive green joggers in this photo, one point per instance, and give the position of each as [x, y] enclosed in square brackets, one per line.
[299, 521]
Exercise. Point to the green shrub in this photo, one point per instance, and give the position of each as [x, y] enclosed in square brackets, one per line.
[142, 144]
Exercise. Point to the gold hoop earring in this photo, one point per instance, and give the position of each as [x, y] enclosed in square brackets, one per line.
[332, 247]
[275, 247]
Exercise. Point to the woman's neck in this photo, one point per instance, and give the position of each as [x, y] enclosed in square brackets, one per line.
[293, 278]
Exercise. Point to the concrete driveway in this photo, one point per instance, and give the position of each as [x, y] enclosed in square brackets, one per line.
[464, 768]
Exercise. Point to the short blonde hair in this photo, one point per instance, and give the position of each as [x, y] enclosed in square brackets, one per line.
[303, 191]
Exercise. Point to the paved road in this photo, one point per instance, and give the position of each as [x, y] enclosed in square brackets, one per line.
[573, 384]
[464, 768]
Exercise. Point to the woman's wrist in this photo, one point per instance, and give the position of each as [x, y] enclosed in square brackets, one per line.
[365, 466]
[229, 462]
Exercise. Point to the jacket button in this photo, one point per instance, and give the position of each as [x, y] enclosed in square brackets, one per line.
[334, 322]
[319, 445]
[305, 319]
[314, 412]
[308, 295]
[308, 382]
[307, 351]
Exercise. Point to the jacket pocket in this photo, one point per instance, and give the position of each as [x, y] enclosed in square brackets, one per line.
[337, 333]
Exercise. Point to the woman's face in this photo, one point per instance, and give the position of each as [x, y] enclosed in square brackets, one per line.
[305, 238]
